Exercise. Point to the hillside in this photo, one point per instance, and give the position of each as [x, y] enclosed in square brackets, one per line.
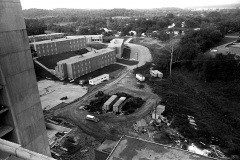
[214, 104]
[215, 107]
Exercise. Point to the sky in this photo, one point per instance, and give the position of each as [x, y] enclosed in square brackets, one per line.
[129, 4]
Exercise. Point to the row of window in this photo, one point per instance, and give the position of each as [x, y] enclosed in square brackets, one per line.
[47, 45]
[77, 72]
[76, 41]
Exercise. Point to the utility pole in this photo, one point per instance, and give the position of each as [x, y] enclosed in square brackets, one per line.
[171, 53]
[171, 39]
[137, 60]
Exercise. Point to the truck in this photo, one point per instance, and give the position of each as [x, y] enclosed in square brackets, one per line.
[140, 77]
[91, 118]
[156, 73]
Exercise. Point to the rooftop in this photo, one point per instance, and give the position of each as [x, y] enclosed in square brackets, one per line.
[43, 35]
[133, 148]
[57, 40]
[81, 36]
[116, 43]
[86, 56]
[235, 45]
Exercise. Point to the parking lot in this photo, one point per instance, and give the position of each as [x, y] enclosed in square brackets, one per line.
[52, 91]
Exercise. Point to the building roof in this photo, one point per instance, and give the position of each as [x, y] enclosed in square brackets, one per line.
[45, 35]
[110, 100]
[134, 148]
[141, 123]
[83, 36]
[235, 45]
[57, 40]
[116, 43]
[88, 55]
[119, 101]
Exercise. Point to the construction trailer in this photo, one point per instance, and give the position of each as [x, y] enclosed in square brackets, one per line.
[117, 106]
[140, 77]
[156, 73]
[99, 79]
[109, 103]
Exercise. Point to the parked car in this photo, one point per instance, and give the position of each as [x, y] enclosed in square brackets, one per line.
[92, 118]
[64, 98]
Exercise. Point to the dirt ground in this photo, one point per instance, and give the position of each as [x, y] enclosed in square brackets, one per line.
[113, 126]
[51, 92]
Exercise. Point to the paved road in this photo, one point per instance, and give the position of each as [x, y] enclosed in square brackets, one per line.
[138, 52]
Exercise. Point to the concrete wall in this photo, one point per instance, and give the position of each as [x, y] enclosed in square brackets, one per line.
[19, 80]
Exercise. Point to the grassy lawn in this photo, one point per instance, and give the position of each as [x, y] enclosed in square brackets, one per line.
[105, 70]
[127, 62]
[96, 45]
[51, 61]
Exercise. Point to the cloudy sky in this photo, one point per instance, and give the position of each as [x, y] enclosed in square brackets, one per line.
[109, 4]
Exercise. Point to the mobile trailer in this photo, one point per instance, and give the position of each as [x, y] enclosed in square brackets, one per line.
[156, 73]
[140, 77]
[109, 103]
[118, 103]
[99, 79]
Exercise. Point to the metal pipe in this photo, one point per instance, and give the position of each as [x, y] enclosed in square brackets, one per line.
[20, 152]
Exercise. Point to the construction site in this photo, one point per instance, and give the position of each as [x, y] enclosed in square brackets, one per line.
[86, 106]
[103, 108]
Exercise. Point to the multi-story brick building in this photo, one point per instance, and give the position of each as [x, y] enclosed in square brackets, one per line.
[77, 66]
[56, 46]
[91, 38]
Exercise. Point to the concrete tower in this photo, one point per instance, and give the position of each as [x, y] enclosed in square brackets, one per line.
[22, 121]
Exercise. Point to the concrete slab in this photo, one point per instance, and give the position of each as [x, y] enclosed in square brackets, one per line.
[51, 92]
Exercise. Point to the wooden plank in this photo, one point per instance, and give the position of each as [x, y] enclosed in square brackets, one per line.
[3, 110]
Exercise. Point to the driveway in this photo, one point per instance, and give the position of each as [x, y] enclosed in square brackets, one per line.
[138, 52]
